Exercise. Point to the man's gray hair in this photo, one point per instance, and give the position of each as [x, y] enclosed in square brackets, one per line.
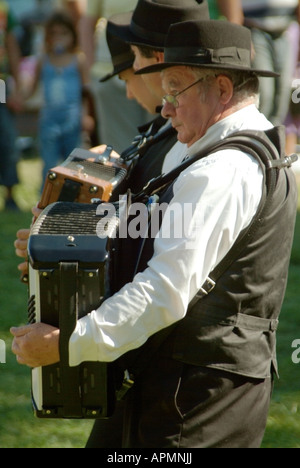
[245, 84]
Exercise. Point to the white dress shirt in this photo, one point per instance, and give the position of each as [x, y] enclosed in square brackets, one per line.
[221, 194]
[175, 157]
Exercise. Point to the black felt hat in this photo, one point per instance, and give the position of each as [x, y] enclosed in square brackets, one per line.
[148, 25]
[121, 54]
[208, 44]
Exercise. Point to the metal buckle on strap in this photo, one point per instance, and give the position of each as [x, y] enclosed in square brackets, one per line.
[274, 325]
[288, 161]
[127, 384]
[207, 287]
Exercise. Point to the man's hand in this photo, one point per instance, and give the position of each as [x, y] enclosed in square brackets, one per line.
[21, 243]
[36, 345]
[21, 249]
[102, 148]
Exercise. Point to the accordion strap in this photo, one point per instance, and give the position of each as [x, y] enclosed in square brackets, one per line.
[271, 161]
[68, 313]
[256, 143]
[266, 148]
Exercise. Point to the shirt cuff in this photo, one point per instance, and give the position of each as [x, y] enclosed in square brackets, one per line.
[81, 347]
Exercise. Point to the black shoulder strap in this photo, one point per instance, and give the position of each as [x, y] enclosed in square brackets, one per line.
[251, 142]
[272, 160]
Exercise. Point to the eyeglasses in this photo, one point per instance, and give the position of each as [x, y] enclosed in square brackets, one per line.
[172, 98]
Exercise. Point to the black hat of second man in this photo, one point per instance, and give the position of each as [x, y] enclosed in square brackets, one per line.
[148, 25]
[218, 45]
[121, 54]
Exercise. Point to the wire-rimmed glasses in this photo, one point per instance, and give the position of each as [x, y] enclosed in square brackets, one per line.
[172, 98]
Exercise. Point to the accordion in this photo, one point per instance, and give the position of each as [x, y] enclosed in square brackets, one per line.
[84, 176]
[68, 278]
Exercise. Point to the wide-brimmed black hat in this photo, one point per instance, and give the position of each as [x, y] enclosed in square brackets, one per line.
[121, 53]
[208, 44]
[148, 25]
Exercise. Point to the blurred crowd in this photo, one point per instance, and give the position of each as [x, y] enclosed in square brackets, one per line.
[54, 52]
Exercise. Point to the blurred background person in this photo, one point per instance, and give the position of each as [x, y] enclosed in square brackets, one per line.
[75, 8]
[269, 21]
[9, 73]
[31, 15]
[230, 9]
[117, 116]
[292, 122]
[62, 73]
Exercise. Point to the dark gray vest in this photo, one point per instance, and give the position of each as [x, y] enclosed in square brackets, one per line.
[234, 327]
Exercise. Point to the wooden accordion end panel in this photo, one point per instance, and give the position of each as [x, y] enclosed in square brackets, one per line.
[82, 177]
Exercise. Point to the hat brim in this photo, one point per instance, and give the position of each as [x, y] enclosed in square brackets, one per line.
[163, 66]
[117, 70]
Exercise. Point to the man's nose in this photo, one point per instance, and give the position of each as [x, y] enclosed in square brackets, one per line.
[168, 110]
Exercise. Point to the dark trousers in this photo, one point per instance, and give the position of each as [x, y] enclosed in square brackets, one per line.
[174, 405]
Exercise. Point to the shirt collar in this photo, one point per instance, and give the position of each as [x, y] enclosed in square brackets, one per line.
[248, 118]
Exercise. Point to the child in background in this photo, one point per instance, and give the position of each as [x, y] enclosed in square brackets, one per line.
[61, 72]
[292, 122]
[9, 70]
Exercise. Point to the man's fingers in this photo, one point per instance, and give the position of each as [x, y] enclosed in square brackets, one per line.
[101, 149]
[21, 253]
[21, 249]
[36, 211]
[23, 268]
[21, 244]
[23, 234]
[17, 332]
[20, 360]
[36, 345]
[98, 149]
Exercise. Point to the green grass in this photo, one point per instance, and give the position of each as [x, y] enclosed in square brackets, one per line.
[20, 429]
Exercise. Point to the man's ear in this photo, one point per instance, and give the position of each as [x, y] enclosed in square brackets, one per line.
[159, 56]
[226, 89]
